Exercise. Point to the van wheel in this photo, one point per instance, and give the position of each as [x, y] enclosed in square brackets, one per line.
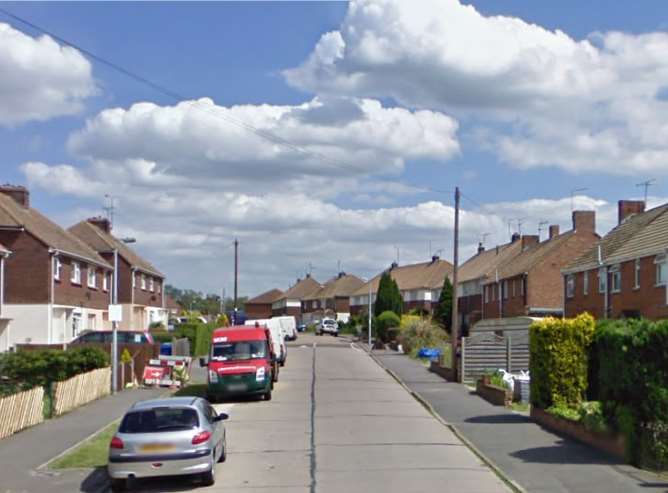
[118, 485]
[267, 395]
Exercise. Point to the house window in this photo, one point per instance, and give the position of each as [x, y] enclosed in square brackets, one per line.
[521, 286]
[570, 286]
[57, 269]
[92, 281]
[76, 273]
[143, 282]
[159, 287]
[151, 285]
[602, 280]
[134, 280]
[616, 279]
[505, 290]
[636, 274]
[105, 281]
[486, 290]
[660, 262]
[585, 282]
[514, 282]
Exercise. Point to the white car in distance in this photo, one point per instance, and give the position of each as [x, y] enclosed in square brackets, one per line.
[328, 326]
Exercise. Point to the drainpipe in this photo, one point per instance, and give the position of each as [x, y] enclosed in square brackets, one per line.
[54, 256]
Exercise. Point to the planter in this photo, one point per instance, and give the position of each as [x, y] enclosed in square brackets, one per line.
[449, 374]
[612, 444]
[498, 396]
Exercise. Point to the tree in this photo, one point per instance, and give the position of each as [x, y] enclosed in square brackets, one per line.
[444, 309]
[388, 297]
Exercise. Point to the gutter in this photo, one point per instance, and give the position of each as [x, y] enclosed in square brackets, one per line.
[58, 251]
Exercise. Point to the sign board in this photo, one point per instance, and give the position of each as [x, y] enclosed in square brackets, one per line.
[115, 313]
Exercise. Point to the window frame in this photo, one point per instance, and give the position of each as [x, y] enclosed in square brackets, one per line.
[57, 269]
[504, 289]
[602, 280]
[636, 274]
[105, 281]
[570, 285]
[585, 283]
[75, 275]
[91, 270]
[151, 284]
[660, 262]
[615, 279]
[143, 282]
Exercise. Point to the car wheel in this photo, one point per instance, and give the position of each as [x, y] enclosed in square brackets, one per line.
[223, 452]
[118, 484]
[209, 477]
[335, 334]
[267, 395]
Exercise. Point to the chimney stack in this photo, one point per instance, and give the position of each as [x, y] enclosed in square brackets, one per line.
[480, 247]
[514, 237]
[20, 194]
[394, 265]
[584, 221]
[625, 208]
[341, 274]
[101, 222]
[554, 230]
[529, 240]
[435, 258]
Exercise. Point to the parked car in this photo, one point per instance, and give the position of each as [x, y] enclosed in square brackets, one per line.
[301, 328]
[328, 326]
[106, 336]
[242, 361]
[167, 437]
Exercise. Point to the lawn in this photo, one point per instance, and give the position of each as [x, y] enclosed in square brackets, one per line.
[93, 452]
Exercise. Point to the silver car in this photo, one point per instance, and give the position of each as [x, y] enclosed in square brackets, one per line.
[167, 437]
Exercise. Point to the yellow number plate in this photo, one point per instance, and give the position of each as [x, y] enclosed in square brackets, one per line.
[157, 447]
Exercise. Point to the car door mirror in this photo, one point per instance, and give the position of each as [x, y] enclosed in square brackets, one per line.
[221, 417]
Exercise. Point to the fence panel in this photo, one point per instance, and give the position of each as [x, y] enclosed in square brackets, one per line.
[80, 390]
[487, 351]
[181, 347]
[21, 410]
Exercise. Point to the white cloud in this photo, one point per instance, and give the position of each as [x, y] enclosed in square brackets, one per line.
[590, 105]
[40, 78]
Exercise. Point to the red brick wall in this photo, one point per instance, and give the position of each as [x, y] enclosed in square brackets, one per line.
[470, 308]
[289, 310]
[145, 296]
[649, 299]
[27, 270]
[67, 293]
[342, 304]
[512, 306]
[258, 310]
[421, 305]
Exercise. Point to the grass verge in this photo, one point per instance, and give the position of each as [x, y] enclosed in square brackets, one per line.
[196, 390]
[90, 453]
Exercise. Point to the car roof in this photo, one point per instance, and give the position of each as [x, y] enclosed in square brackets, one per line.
[166, 402]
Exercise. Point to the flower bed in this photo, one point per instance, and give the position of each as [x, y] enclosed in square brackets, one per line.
[612, 444]
[499, 396]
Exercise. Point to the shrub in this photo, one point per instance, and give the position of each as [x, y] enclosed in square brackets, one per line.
[558, 360]
[384, 322]
[156, 326]
[592, 417]
[388, 297]
[160, 337]
[564, 412]
[417, 332]
[444, 309]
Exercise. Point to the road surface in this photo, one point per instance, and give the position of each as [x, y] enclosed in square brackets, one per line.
[339, 423]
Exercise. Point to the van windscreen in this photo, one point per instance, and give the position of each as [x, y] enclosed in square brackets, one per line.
[240, 350]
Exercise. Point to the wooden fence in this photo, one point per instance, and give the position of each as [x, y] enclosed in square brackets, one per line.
[21, 410]
[80, 389]
[485, 352]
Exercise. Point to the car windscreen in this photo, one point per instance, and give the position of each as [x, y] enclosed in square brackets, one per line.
[159, 419]
[329, 322]
[239, 350]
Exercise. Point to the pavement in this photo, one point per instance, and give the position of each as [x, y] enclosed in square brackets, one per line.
[22, 454]
[535, 458]
[338, 422]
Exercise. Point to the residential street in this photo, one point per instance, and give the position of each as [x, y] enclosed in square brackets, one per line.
[339, 423]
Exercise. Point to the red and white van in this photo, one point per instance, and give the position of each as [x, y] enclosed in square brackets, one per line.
[241, 362]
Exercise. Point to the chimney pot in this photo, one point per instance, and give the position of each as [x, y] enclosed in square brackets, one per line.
[626, 208]
[584, 221]
[394, 265]
[554, 230]
[529, 240]
[514, 237]
[101, 222]
[481, 248]
[20, 194]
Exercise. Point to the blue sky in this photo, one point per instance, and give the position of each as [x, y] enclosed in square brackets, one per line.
[235, 54]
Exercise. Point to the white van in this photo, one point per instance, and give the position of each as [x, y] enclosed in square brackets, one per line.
[277, 337]
[289, 326]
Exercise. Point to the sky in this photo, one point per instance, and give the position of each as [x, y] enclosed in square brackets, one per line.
[329, 136]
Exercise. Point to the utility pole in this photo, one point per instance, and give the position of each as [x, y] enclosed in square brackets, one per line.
[454, 330]
[370, 283]
[236, 279]
[646, 184]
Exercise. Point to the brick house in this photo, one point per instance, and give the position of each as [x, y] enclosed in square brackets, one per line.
[625, 274]
[4, 322]
[56, 285]
[260, 306]
[140, 284]
[290, 303]
[530, 282]
[475, 272]
[420, 286]
[333, 298]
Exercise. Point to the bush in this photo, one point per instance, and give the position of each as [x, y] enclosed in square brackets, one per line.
[558, 360]
[384, 322]
[27, 369]
[156, 326]
[160, 337]
[592, 417]
[388, 297]
[632, 383]
[416, 332]
[203, 339]
[564, 412]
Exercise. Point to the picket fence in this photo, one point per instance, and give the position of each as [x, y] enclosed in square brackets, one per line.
[21, 410]
[80, 389]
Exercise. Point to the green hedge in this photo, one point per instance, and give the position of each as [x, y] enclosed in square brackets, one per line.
[632, 382]
[384, 322]
[559, 360]
[198, 334]
[27, 369]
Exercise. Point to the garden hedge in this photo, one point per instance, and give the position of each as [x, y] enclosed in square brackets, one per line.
[559, 360]
[632, 372]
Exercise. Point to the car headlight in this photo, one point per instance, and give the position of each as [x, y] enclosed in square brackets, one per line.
[260, 374]
[213, 376]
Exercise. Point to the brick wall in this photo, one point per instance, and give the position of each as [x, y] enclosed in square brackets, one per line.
[145, 296]
[258, 310]
[294, 311]
[342, 304]
[27, 270]
[68, 293]
[649, 300]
